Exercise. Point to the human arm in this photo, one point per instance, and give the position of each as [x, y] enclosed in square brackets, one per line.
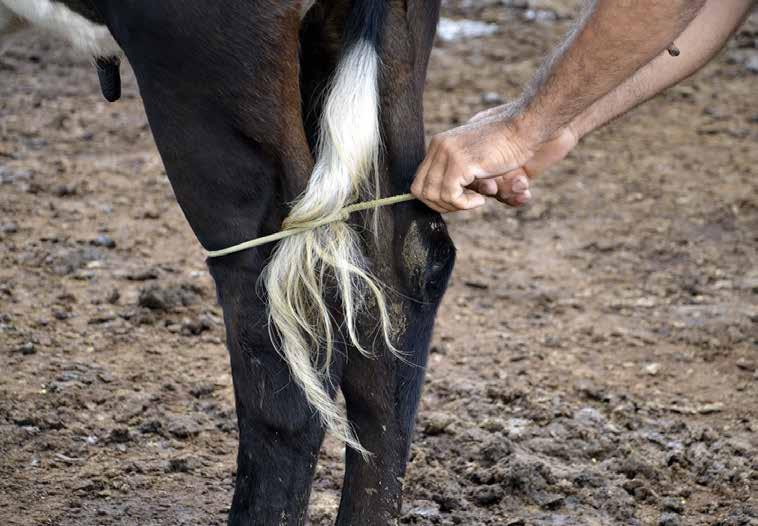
[698, 43]
[593, 60]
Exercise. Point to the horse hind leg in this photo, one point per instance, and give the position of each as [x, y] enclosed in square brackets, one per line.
[382, 393]
[279, 436]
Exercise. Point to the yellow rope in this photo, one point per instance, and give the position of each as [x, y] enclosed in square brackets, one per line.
[288, 231]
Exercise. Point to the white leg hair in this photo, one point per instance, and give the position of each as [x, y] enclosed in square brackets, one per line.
[86, 36]
[8, 20]
[345, 170]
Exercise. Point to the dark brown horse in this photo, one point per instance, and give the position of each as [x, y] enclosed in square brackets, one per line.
[245, 98]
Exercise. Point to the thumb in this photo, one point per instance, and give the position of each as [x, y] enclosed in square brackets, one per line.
[513, 188]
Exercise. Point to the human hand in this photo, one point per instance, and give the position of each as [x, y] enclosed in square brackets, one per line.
[492, 155]
[486, 147]
[513, 188]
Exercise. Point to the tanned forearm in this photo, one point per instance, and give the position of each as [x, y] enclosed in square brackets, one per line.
[612, 41]
[604, 59]
[698, 43]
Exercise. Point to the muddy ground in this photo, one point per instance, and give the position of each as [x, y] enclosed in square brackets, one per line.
[594, 363]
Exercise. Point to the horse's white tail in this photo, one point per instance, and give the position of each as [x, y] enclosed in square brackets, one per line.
[303, 267]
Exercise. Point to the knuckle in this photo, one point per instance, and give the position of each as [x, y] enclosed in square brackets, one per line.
[447, 145]
[450, 191]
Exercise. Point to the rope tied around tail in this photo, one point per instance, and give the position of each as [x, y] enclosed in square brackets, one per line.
[292, 229]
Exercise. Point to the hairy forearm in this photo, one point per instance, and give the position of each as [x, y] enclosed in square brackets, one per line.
[612, 41]
[698, 43]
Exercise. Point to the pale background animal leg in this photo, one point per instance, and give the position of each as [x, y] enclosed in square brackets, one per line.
[10, 25]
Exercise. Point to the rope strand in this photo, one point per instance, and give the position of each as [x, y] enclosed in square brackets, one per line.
[293, 230]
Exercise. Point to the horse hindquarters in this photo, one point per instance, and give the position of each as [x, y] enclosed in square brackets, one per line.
[279, 432]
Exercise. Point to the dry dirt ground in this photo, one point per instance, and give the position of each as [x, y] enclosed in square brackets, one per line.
[594, 361]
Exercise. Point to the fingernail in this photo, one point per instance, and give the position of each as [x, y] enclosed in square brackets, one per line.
[525, 197]
[520, 185]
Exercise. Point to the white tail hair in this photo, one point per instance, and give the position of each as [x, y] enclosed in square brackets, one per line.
[296, 278]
